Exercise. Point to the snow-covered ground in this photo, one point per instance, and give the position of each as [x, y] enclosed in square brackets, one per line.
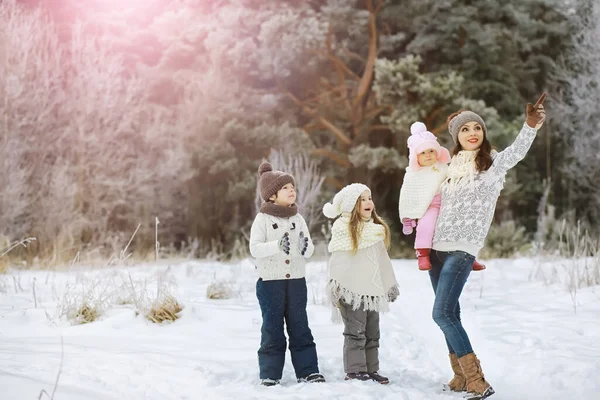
[532, 343]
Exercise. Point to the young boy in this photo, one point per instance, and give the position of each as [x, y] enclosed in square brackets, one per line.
[280, 243]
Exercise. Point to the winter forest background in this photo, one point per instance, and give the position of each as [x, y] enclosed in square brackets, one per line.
[115, 113]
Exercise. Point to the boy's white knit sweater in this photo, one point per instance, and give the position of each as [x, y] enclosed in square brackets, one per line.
[419, 188]
[467, 210]
[272, 263]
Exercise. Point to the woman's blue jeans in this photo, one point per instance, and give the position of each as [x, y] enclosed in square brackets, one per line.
[448, 274]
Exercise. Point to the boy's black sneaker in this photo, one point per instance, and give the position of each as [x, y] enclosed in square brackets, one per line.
[361, 376]
[379, 378]
[312, 378]
[269, 382]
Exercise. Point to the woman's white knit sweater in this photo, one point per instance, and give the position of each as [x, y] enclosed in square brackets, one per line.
[467, 209]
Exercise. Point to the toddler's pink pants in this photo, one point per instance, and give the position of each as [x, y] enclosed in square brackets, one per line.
[426, 224]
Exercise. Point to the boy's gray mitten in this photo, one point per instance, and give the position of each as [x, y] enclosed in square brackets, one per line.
[393, 293]
[284, 243]
[302, 243]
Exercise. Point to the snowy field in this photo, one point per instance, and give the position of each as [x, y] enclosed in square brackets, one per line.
[536, 339]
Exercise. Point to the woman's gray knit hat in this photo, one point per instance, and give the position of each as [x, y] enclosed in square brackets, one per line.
[462, 118]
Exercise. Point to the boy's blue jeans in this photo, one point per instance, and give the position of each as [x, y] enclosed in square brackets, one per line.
[448, 274]
[285, 300]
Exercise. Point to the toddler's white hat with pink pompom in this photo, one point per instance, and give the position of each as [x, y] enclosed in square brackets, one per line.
[420, 140]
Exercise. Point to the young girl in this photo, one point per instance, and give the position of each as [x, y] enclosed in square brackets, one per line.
[420, 193]
[280, 242]
[475, 178]
[361, 281]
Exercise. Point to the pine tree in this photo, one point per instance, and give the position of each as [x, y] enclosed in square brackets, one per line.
[504, 50]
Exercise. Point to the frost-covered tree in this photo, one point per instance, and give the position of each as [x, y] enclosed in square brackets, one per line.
[230, 109]
[209, 73]
[504, 50]
[87, 157]
[166, 107]
[577, 118]
[415, 95]
[340, 109]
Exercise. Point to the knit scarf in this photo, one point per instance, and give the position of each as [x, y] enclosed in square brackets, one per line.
[369, 234]
[462, 170]
[277, 210]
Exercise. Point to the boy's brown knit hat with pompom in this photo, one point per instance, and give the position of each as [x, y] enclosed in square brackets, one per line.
[270, 182]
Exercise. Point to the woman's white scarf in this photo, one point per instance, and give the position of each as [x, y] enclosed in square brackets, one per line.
[462, 170]
[363, 278]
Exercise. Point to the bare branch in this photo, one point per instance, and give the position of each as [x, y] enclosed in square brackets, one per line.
[354, 55]
[335, 130]
[338, 63]
[374, 128]
[338, 158]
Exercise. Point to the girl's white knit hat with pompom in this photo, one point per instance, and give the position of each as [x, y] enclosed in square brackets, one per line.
[344, 200]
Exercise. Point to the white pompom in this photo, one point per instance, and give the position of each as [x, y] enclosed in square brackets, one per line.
[417, 127]
[329, 211]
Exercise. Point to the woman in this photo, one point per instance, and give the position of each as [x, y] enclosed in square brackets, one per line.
[475, 178]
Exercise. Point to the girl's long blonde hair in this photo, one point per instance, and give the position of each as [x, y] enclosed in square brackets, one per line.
[356, 224]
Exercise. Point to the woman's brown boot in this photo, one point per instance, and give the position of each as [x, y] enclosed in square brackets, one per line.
[476, 383]
[459, 382]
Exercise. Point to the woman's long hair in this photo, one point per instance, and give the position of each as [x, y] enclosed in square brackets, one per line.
[483, 160]
[356, 224]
